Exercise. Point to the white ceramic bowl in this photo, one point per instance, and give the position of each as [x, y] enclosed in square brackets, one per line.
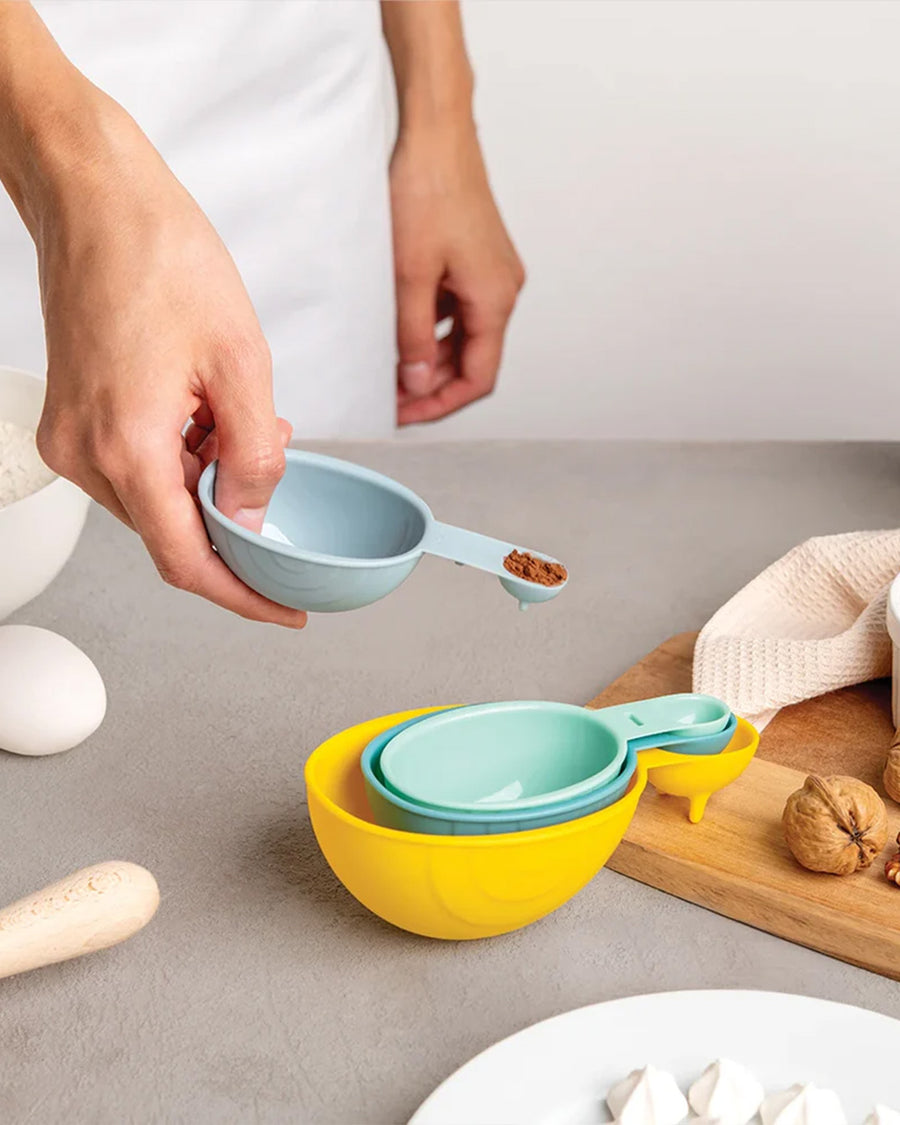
[38, 533]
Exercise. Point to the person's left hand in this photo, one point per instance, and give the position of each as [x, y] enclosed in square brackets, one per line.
[452, 258]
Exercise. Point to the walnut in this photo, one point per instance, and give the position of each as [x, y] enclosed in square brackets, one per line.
[835, 824]
[892, 769]
[892, 867]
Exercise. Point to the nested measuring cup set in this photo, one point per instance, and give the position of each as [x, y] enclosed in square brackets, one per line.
[514, 767]
[465, 821]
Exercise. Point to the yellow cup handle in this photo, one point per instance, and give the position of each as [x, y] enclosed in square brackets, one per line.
[653, 759]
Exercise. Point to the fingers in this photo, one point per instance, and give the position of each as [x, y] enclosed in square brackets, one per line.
[141, 480]
[203, 450]
[416, 316]
[166, 517]
[480, 349]
[452, 396]
[446, 365]
[250, 445]
[199, 428]
[480, 305]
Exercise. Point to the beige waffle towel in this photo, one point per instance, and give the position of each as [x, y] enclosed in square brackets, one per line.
[812, 622]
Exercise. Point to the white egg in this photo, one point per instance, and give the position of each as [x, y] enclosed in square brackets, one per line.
[51, 695]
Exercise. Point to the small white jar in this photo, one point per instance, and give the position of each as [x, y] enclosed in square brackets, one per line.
[893, 626]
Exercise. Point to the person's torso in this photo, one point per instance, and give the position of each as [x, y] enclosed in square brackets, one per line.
[271, 112]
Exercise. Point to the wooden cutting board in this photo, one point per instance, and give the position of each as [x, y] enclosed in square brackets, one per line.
[735, 861]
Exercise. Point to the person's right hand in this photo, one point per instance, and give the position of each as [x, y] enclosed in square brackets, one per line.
[148, 324]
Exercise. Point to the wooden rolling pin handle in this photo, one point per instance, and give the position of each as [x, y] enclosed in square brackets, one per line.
[92, 909]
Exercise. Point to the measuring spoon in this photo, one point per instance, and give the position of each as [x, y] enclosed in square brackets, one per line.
[339, 536]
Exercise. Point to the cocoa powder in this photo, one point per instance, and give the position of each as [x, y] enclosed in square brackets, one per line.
[532, 569]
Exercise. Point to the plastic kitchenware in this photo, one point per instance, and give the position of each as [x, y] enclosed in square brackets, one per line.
[339, 536]
[705, 744]
[458, 887]
[39, 532]
[393, 810]
[710, 744]
[522, 755]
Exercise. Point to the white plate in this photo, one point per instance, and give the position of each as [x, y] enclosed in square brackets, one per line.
[558, 1072]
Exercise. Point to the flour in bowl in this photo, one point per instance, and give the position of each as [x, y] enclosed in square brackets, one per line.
[21, 469]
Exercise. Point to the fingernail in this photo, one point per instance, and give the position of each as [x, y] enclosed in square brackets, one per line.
[251, 518]
[416, 378]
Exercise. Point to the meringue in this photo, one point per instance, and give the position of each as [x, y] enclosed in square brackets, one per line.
[883, 1115]
[727, 1091]
[647, 1097]
[803, 1105]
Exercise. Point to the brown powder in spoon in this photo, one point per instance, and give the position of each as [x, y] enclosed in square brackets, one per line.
[532, 569]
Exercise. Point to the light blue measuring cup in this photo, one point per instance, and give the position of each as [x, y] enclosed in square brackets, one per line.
[523, 755]
[339, 536]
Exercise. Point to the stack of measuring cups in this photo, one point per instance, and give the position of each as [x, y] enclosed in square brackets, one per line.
[510, 767]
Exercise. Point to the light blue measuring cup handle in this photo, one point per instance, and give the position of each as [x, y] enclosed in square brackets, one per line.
[669, 717]
[468, 548]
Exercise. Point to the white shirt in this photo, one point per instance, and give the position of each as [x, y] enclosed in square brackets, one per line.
[272, 114]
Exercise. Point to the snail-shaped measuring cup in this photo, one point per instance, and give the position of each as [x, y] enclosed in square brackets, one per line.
[339, 536]
[458, 887]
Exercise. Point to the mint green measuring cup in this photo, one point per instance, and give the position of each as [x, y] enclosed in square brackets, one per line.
[521, 755]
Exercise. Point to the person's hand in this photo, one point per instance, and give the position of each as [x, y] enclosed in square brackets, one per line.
[148, 324]
[452, 258]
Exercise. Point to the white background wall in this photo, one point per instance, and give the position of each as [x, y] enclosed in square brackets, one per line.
[707, 198]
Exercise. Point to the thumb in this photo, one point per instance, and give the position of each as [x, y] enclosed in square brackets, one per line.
[251, 442]
[416, 318]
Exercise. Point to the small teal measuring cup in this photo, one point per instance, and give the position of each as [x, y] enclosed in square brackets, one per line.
[704, 745]
[393, 811]
[339, 536]
[523, 755]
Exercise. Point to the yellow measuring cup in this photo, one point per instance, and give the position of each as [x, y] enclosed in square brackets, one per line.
[463, 887]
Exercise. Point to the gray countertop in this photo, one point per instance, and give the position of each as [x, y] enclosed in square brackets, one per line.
[262, 992]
